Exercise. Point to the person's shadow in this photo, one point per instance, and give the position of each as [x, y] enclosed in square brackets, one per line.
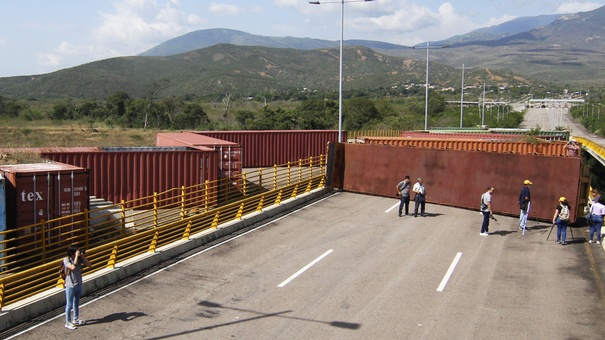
[121, 316]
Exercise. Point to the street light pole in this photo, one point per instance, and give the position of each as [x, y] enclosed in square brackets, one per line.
[462, 98]
[426, 95]
[340, 77]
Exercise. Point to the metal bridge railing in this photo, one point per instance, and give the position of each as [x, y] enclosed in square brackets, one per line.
[596, 150]
[30, 256]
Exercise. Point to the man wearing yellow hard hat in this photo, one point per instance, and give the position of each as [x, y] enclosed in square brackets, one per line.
[524, 203]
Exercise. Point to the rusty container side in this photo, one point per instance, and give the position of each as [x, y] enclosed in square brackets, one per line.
[263, 148]
[453, 135]
[552, 148]
[42, 192]
[229, 152]
[458, 178]
[128, 174]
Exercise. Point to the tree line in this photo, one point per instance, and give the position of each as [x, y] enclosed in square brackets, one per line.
[313, 113]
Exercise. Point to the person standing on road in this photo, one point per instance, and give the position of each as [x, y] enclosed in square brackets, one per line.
[486, 210]
[420, 198]
[561, 219]
[524, 200]
[597, 210]
[403, 191]
[72, 265]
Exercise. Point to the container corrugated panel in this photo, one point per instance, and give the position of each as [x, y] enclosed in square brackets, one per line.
[230, 152]
[482, 136]
[45, 191]
[542, 134]
[128, 174]
[553, 148]
[458, 178]
[262, 148]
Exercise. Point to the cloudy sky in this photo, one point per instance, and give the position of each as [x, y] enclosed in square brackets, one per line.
[44, 36]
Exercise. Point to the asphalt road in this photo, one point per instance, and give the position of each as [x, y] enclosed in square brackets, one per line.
[363, 273]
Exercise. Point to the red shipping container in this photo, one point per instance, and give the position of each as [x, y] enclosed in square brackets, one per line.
[42, 192]
[264, 148]
[229, 152]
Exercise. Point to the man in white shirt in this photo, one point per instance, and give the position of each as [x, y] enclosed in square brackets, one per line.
[486, 210]
[420, 197]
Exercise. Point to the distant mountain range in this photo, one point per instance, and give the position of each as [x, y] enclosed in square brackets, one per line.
[558, 49]
[210, 37]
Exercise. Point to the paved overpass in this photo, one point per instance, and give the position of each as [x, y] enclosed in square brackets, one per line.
[347, 267]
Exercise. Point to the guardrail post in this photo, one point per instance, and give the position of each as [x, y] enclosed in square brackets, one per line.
[60, 283]
[1, 295]
[244, 184]
[112, 258]
[289, 168]
[274, 176]
[206, 195]
[321, 164]
[43, 237]
[311, 166]
[259, 207]
[155, 210]
[260, 178]
[123, 211]
[215, 221]
[309, 186]
[240, 211]
[187, 231]
[154, 242]
[295, 191]
[278, 198]
[87, 226]
[182, 202]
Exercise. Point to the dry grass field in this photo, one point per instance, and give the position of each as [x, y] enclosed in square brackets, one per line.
[38, 134]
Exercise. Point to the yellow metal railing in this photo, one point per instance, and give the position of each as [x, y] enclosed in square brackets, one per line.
[598, 149]
[30, 256]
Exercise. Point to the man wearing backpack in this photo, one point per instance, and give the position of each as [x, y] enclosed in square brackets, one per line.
[561, 219]
[524, 199]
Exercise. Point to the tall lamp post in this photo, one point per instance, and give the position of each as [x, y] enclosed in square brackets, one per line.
[462, 98]
[340, 80]
[426, 95]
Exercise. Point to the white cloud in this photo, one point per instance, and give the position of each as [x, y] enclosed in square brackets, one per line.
[133, 26]
[413, 24]
[577, 6]
[224, 10]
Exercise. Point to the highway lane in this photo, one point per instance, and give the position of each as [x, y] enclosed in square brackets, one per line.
[378, 279]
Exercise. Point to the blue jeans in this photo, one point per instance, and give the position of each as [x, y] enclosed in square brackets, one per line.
[561, 229]
[405, 201]
[72, 299]
[485, 225]
[595, 226]
[418, 202]
[523, 219]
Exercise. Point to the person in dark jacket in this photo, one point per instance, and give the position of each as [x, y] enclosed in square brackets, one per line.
[524, 202]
